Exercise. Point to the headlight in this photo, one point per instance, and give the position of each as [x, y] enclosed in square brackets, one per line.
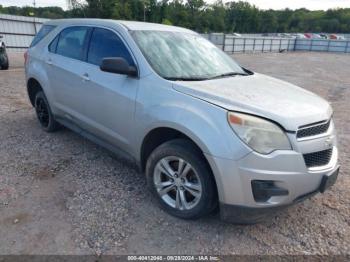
[261, 135]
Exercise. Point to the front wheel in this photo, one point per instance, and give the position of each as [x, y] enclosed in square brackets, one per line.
[181, 180]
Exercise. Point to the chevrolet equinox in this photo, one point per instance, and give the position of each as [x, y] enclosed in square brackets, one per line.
[208, 133]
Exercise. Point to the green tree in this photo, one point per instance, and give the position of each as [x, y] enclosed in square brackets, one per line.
[166, 22]
[232, 16]
[100, 8]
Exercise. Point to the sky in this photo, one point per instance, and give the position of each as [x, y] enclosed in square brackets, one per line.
[263, 4]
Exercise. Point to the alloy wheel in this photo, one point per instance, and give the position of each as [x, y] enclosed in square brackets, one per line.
[177, 183]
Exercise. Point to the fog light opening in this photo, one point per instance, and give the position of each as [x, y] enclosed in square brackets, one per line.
[263, 190]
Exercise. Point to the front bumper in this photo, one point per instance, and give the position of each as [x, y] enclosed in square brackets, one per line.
[287, 170]
[252, 215]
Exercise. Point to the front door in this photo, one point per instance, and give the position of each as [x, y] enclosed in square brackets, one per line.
[109, 99]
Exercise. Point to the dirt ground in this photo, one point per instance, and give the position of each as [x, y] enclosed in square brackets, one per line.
[61, 194]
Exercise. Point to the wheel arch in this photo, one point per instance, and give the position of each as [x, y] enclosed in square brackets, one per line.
[33, 87]
[160, 135]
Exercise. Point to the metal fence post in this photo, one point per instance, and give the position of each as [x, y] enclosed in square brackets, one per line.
[329, 43]
[254, 45]
[280, 44]
[34, 23]
[271, 41]
[244, 45]
[311, 44]
[224, 42]
[346, 46]
[263, 47]
[233, 45]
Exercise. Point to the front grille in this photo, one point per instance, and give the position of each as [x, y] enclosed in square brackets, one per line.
[313, 130]
[320, 158]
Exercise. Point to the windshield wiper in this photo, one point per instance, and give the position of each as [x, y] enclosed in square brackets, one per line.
[186, 78]
[228, 74]
[204, 78]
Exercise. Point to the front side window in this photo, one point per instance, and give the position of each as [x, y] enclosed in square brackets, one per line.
[184, 56]
[44, 31]
[104, 43]
[71, 42]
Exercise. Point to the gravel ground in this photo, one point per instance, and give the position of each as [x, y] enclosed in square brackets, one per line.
[61, 194]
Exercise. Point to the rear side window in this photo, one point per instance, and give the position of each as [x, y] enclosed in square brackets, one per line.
[44, 31]
[71, 42]
[104, 43]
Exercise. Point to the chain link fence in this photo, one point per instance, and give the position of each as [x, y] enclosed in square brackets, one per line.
[18, 32]
[242, 44]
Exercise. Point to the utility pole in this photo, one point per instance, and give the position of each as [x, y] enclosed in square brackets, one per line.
[34, 4]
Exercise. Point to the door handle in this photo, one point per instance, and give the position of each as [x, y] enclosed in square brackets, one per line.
[49, 61]
[86, 77]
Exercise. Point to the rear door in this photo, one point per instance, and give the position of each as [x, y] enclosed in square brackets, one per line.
[66, 70]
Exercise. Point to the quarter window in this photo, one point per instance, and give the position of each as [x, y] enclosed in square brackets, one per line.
[71, 42]
[53, 45]
[104, 43]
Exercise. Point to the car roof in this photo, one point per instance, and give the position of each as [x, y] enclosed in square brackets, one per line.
[129, 25]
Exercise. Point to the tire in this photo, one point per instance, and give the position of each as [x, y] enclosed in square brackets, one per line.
[5, 65]
[190, 190]
[44, 114]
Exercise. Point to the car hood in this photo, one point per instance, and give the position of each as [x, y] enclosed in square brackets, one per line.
[287, 104]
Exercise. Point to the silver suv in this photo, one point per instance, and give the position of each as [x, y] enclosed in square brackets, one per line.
[207, 133]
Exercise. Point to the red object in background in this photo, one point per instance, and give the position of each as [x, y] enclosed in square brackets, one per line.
[308, 35]
[333, 36]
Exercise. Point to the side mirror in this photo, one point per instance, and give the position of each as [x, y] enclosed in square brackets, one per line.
[118, 65]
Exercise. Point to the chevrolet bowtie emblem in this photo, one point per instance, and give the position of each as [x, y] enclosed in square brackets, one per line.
[328, 142]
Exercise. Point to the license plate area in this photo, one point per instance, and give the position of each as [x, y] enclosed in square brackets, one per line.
[328, 181]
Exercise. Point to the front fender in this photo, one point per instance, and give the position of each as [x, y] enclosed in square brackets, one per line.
[204, 123]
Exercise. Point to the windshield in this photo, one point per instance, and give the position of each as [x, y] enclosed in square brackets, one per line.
[184, 56]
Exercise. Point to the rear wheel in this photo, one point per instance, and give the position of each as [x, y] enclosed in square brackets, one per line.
[44, 114]
[181, 179]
